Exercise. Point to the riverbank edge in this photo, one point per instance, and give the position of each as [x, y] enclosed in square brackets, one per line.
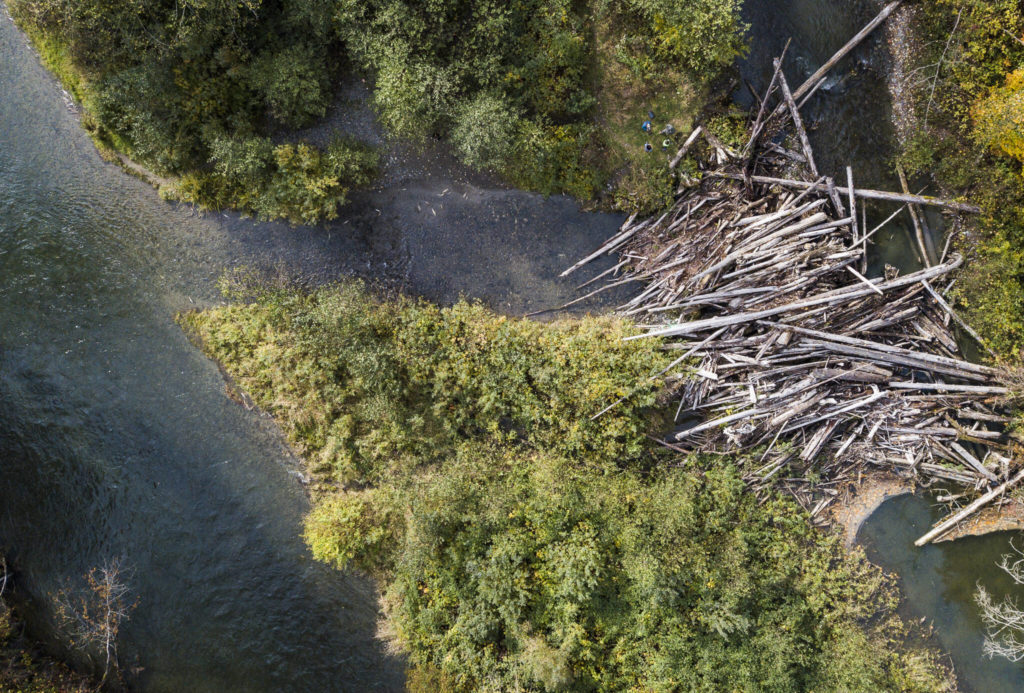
[74, 90]
[25, 665]
[623, 175]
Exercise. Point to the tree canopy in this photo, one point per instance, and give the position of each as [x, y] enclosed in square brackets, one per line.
[522, 544]
[514, 86]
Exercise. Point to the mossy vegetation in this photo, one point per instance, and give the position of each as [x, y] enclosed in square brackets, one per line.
[969, 103]
[549, 93]
[522, 544]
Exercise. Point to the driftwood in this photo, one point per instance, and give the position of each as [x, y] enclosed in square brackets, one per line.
[951, 522]
[924, 244]
[815, 80]
[798, 122]
[864, 194]
[790, 357]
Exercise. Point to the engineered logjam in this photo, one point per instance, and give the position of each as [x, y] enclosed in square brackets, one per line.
[788, 353]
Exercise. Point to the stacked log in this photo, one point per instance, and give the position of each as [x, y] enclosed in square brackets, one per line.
[789, 356]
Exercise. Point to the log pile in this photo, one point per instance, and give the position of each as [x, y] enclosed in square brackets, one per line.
[789, 356]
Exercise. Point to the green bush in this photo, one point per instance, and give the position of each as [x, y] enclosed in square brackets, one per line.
[485, 130]
[293, 84]
[999, 117]
[699, 36]
[513, 85]
[647, 187]
[522, 544]
[514, 572]
[381, 385]
[296, 182]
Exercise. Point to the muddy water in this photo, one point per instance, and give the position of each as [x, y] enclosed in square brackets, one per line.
[117, 438]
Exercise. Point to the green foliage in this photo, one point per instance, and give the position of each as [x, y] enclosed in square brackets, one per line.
[699, 36]
[513, 569]
[992, 295]
[513, 86]
[365, 387]
[522, 545]
[481, 131]
[288, 181]
[999, 117]
[293, 84]
[982, 51]
[168, 83]
[648, 185]
[969, 138]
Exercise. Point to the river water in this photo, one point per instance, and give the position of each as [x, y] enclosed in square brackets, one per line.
[117, 438]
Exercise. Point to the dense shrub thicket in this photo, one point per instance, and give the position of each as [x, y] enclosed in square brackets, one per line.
[194, 87]
[970, 102]
[522, 545]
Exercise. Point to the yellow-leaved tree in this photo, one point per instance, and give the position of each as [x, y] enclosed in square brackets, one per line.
[999, 117]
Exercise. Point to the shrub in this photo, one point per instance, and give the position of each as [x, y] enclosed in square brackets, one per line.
[292, 83]
[485, 131]
[246, 163]
[383, 385]
[699, 36]
[999, 117]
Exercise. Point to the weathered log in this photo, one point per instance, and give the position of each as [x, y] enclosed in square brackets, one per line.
[865, 194]
[924, 248]
[858, 38]
[798, 122]
[828, 297]
[947, 524]
[697, 131]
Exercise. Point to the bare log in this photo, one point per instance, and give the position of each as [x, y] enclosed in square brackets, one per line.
[858, 38]
[862, 193]
[950, 522]
[798, 122]
[697, 131]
